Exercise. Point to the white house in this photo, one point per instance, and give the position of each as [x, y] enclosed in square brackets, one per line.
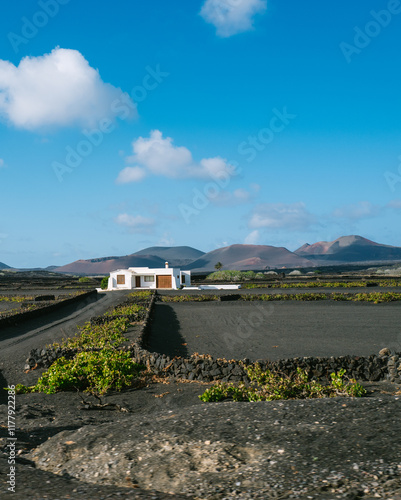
[144, 277]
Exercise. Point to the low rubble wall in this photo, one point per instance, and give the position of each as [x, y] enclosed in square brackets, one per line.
[43, 309]
[386, 365]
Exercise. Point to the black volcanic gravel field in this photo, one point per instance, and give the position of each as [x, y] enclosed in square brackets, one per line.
[168, 444]
[274, 330]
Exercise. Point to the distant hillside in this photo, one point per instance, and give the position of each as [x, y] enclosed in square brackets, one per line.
[249, 257]
[154, 257]
[175, 256]
[4, 266]
[349, 249]
[105, 266]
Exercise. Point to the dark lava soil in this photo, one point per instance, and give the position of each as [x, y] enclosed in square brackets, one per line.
[168, 444]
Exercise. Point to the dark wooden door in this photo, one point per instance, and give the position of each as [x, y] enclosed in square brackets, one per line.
[137, 281]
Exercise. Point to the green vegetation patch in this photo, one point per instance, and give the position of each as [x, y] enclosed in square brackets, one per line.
[325, 284]
[189, 298]
[27, 303]
[104, 283]
[287, 296]
[126, 310]
[234, 276]
[89, 336]
[141, 295]
[375, 297]
[98, 365]
[269, 386]
[84, 279]
[95, 372]
[15, 298]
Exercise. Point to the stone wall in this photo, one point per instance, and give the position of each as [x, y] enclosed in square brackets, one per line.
[46, 307]
[384, 366]
[207, 369]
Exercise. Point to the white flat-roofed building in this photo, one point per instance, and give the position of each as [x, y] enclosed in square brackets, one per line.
[145, 277]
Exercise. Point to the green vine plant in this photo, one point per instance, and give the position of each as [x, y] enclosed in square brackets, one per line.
[97, 365]
[233, 275]
[16, 298]
[189, 298]
[97, 336]
[141, 295]
[373, 297]
[325, 284]
[269, 386]
[126, 310]
[93, 372]
[104, 283]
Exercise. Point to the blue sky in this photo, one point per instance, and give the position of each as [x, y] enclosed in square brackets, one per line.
[205, 123]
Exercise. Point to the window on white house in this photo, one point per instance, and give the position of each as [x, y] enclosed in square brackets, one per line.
[148, 278]
[120, 279]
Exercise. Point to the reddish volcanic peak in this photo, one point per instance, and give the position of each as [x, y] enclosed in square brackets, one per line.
[249, 257]
[345, 241]
[351, 249]
[318, 248]
[325, 247]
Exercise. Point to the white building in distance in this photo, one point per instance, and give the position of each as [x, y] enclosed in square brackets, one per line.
[144, 277]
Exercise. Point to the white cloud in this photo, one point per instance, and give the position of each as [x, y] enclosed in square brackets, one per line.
[360, 210]
[136, 223]
[252, 238]
[131, 174]
[210, 167]
[242, 194]
[2, 164]
[56, 89]
[281, 215]
[158, 155]
[166, 240]
[237, 197]
[232, 16]
[396, 204]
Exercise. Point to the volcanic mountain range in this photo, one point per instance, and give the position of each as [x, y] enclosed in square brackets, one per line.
[344, 250]
[154, 257]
